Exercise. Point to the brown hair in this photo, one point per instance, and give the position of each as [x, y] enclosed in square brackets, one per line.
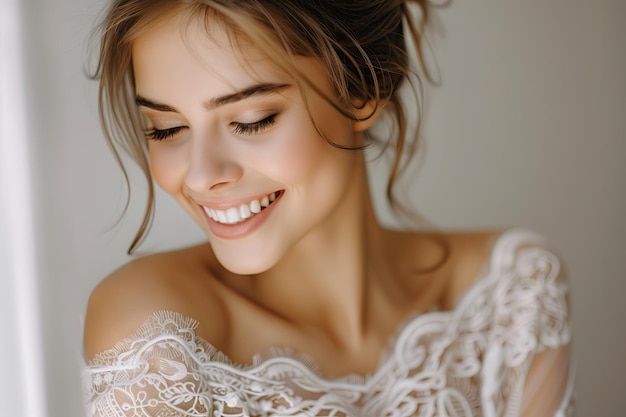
[360, 43]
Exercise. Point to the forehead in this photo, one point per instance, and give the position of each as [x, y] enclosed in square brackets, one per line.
[174, 54]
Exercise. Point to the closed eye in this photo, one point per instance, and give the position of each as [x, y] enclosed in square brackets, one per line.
[163, 134]
[255, 127]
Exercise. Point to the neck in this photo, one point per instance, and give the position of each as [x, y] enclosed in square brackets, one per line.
[322, 283]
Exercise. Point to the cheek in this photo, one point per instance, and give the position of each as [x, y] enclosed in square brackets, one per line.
[168, 165]
[301, 152]
[295, 159]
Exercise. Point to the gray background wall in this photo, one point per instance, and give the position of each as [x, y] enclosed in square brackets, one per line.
[527, 128]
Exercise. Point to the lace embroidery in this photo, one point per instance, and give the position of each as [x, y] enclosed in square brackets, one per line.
[471, 361]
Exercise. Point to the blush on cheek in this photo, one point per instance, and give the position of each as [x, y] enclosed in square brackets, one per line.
[168, 170]
[298, 153]
[293, 164]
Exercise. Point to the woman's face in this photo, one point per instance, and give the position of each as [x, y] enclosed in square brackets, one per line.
[230, 138]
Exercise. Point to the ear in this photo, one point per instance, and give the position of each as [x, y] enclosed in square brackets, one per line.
[366, 115]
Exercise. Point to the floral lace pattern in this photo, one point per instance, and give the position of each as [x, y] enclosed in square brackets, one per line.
[471, 361]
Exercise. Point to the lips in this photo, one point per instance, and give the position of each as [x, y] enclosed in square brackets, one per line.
[242, 212]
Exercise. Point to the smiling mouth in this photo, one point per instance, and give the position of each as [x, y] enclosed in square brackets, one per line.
[234, 215]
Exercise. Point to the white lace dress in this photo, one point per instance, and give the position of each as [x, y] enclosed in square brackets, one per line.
[471, 361]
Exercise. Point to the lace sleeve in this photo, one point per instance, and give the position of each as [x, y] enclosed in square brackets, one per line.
[526, 365]
[150, 374]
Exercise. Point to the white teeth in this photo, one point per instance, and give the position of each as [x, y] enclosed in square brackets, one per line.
[221, 216]
[244, 211]
[232, 214]
[255, 206]
[235, 215]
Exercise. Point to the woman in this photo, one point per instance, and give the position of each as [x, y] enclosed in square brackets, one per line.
[254, 115]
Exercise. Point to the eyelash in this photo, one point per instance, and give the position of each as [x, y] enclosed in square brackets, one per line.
[239, 129]
[255, 127]
[162, 134]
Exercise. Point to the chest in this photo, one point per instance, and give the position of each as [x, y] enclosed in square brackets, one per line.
[434, 367]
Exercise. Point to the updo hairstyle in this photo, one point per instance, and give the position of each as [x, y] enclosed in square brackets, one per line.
[361, 44]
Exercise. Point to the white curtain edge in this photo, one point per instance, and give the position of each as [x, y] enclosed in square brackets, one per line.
[17, 212]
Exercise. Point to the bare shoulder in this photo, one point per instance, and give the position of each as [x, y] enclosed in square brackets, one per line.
[450, 261]
[470, 253]
[180, 281]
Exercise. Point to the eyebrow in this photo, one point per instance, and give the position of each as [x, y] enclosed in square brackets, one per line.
[215, 102]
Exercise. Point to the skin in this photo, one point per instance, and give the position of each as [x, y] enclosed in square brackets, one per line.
[319, 275]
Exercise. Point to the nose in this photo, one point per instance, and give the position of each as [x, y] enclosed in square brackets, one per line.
[212, 166]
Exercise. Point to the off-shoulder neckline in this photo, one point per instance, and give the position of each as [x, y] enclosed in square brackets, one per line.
[502, 248]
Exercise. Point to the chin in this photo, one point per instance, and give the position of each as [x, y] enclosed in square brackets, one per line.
[243, 262]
